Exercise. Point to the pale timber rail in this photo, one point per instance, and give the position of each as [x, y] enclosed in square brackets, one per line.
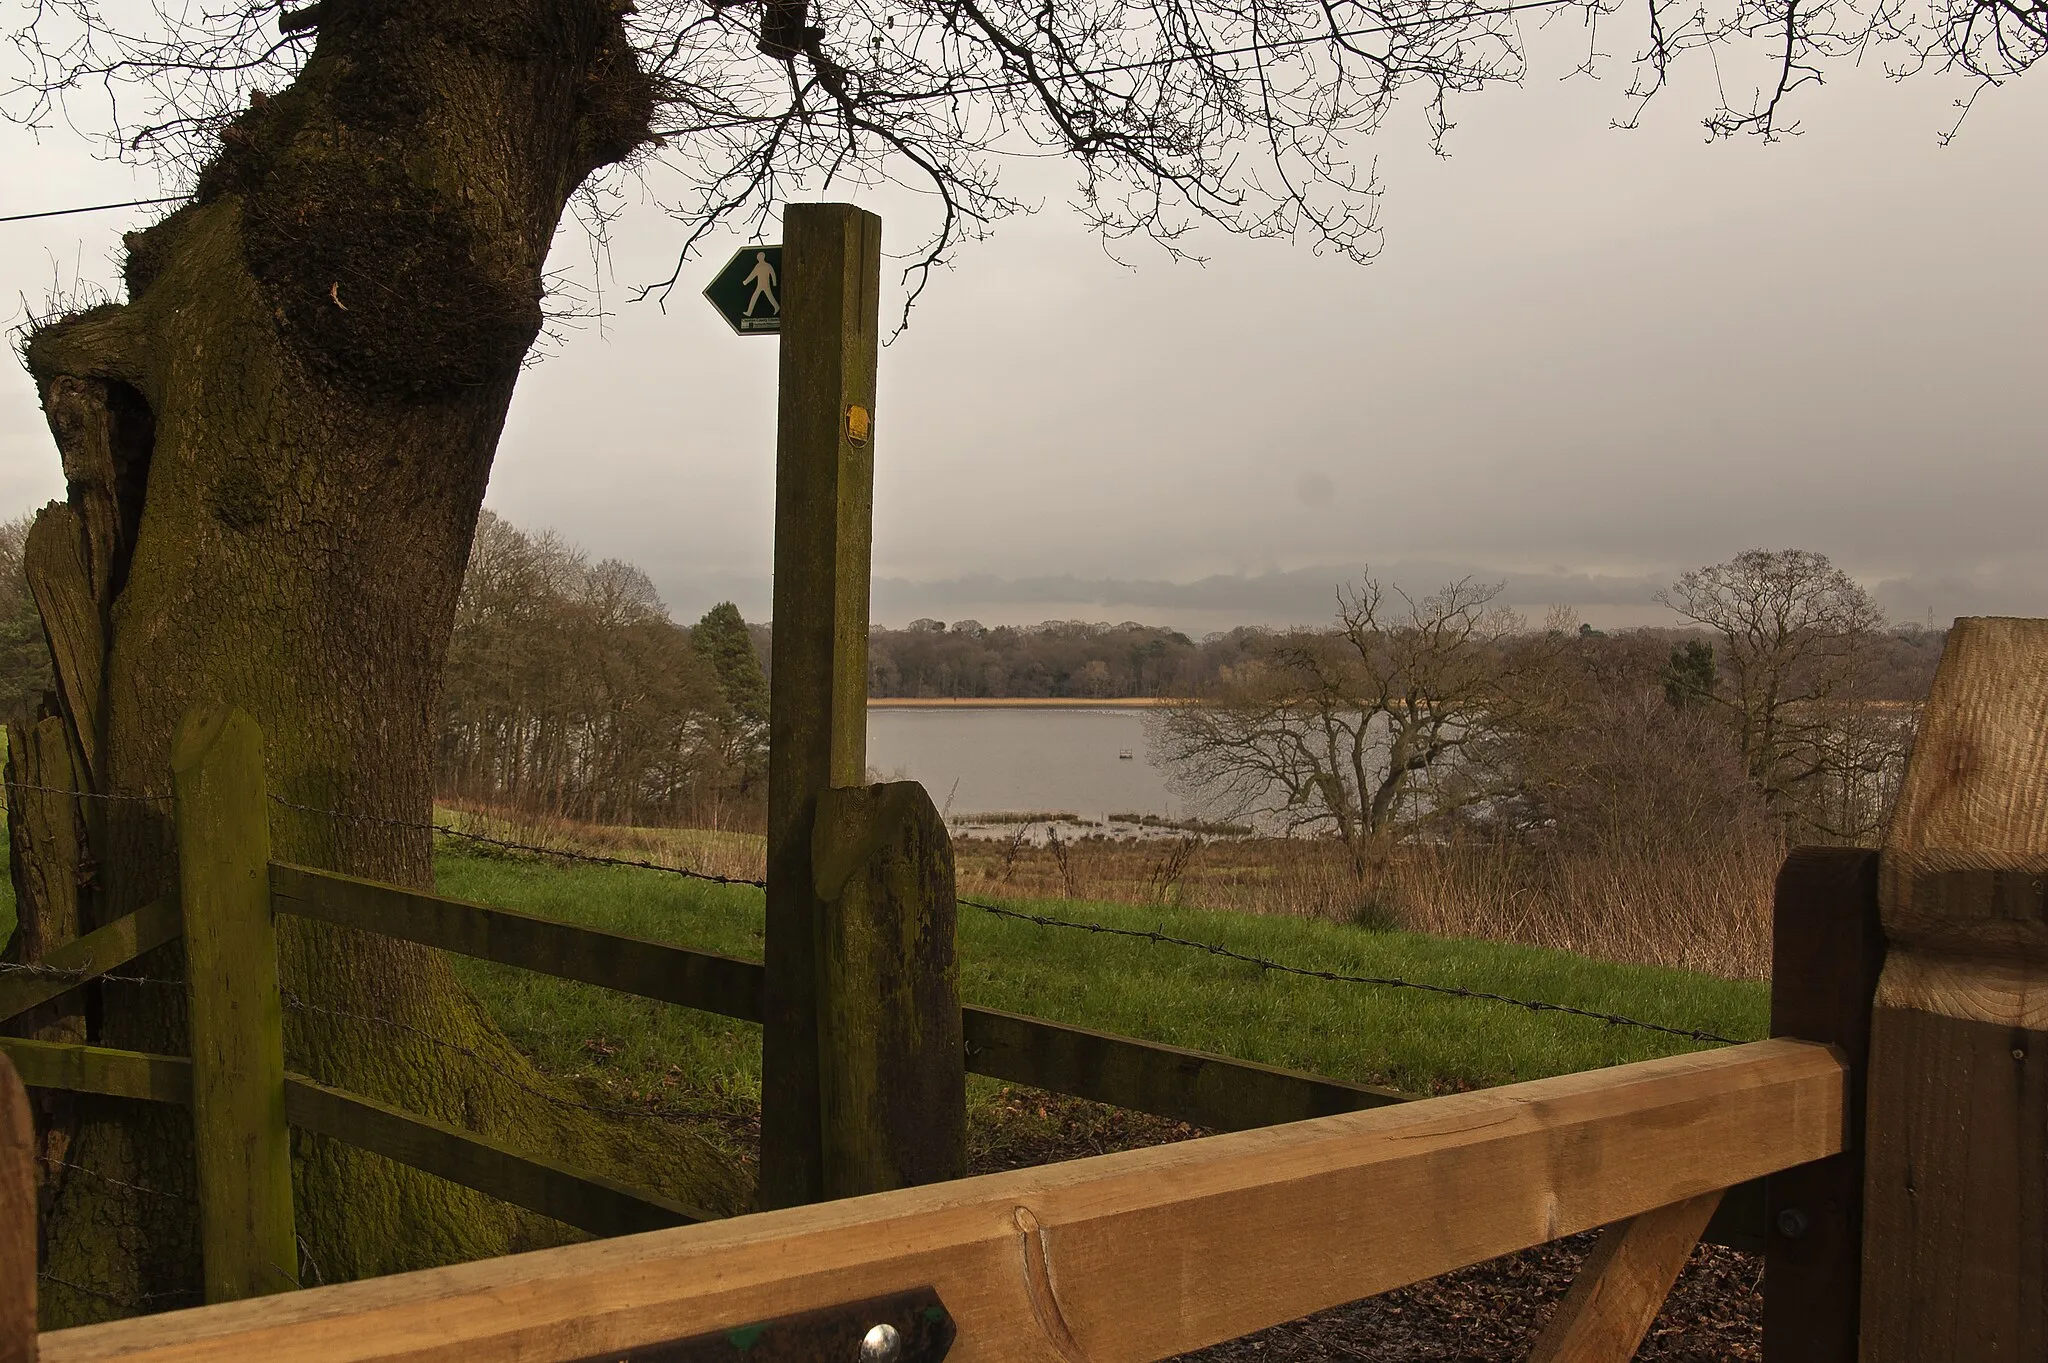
[1124, 1257]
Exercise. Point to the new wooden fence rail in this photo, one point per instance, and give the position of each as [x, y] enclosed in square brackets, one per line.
[1120, 1258]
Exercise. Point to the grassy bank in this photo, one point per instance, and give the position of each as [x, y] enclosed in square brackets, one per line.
[1412, 1040]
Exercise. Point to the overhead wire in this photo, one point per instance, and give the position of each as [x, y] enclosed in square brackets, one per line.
[1011, 83]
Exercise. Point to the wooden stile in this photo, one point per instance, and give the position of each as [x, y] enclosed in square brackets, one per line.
[241, 1143]
[17, 1222]
[1622, 1285]
[1955, 1241]
[892, 1062]
[817, 739]
[1132, 1256]
[1827, 948]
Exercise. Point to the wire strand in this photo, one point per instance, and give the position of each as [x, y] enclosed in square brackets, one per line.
[296, 1004]
[87, 794]
[92, 208]
[507, 844]
[1381, 981]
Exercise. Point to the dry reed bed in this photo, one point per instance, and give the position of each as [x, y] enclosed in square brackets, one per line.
[1699, 906]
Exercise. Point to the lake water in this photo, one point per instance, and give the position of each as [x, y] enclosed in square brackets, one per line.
[1022, 760]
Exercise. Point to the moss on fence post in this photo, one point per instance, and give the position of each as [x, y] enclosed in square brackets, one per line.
[242, 1145]
[891, 1057]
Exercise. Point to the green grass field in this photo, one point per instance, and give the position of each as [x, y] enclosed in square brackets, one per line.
[1412, 1040]
[689, 1061]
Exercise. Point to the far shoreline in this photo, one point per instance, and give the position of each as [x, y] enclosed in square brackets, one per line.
[1016, 702]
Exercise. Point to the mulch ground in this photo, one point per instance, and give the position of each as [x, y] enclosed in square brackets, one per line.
[1488, 1313]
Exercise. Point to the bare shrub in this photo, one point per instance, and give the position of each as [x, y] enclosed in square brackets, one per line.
[1641, 839]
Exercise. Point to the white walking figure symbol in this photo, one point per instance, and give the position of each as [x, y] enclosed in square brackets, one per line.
[762, 277]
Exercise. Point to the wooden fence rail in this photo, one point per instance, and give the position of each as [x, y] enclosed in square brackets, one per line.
[1115, 1259]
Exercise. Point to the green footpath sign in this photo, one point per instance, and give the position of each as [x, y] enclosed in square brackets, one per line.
[748, 291]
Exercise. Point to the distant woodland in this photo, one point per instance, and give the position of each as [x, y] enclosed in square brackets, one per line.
[570, 689]
[1072, 658]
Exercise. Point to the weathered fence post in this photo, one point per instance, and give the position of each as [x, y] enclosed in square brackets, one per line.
[1826, 950]
[817, 732]
[17, 1221]
[1955, 1227]
[241, 1142]
[892, 1056]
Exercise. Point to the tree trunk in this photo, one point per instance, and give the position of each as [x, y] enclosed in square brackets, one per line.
[276, 451]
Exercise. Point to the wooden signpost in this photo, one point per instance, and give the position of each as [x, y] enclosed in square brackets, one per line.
[820, 1016]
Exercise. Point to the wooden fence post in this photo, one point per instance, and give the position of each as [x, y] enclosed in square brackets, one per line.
[1826, 950]
[1955, 1228]
[892, 1056]
[817, 698]
[17, 1221]
[242, 1145]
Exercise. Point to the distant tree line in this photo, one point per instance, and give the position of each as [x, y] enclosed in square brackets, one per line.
[1076, 659]
[1065, 658]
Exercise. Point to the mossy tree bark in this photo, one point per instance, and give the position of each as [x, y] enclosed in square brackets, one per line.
[275, 451]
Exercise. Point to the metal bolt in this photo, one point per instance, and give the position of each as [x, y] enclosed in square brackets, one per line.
[1793, 1222]
[2018, 1054]
[882, 1344]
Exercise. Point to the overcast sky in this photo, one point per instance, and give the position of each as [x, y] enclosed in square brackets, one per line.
[1586, 360]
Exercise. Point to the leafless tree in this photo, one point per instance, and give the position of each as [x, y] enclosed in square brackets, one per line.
[1797, 642]
[1369, 730]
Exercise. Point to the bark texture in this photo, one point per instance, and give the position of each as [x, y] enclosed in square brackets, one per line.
[275, 453]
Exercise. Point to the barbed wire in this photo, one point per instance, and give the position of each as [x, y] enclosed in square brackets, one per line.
[136, 1304]
[56, 1163]
[620, 1110]
[82, 974]
[88, 794]
[1339, 977]
[511, 845]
